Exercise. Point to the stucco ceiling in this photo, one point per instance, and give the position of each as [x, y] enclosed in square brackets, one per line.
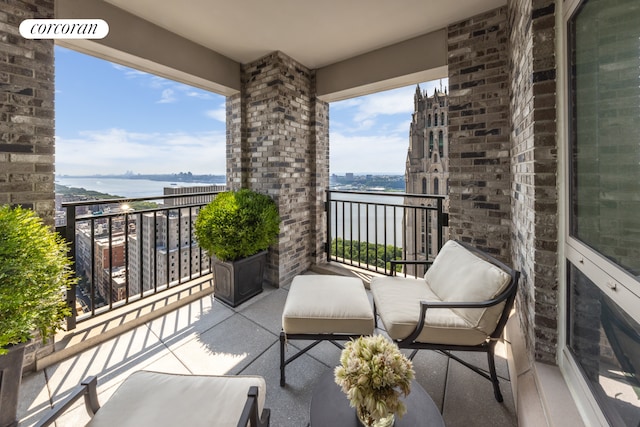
[315, 33]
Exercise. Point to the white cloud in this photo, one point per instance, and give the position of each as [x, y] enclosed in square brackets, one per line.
[391, 102]
[168, 96]
[129, 72]
[117, 150]
[219, 114]
[359, 131]
[195, 94]
[347, 103]
[170, 89]
[398, 101]
[374, 153]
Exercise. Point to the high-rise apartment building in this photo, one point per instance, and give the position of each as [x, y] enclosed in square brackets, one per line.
[163, 250]
[193, 199]
[427, 170]
[151, 250]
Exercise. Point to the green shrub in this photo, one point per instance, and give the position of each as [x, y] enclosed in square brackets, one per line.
[34, 271]
[367, 253]
[237, 224]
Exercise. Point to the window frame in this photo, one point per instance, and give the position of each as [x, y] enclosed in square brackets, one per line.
[614, 281]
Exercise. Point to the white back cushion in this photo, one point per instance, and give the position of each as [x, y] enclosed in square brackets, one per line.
[458, 275]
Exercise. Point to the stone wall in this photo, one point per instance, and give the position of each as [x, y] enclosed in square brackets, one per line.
[479, 146]
[534, 167]
[27, 121]
[503, 152]
[278, 145]
[26, 110]
[319, 159]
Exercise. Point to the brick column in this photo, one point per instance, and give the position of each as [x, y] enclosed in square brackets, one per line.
[319, 158]
[534, 170]
[26, 111]
[27, 122]
[503, 149]
[479, 157]
[277, 144]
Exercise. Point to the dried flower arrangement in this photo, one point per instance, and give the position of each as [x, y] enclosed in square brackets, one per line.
[373, 373]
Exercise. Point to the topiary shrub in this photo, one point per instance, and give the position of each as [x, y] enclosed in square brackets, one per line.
[34, 272]
[237, 224]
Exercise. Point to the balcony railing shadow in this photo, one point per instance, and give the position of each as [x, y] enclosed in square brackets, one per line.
[208, 337]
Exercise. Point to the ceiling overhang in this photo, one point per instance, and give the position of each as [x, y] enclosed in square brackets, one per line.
[356, 47]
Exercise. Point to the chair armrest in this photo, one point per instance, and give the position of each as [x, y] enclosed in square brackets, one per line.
[395, 262]
[424, 305]
[87, 388]
[250, 416]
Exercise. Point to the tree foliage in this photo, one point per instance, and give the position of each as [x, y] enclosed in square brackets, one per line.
[34, 272]
[366, 253]
[237, 224]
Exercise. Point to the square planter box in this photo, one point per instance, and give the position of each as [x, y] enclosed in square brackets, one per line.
[237, 281]
[10, 378]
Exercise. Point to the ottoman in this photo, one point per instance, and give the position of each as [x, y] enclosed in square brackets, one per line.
[324, 307]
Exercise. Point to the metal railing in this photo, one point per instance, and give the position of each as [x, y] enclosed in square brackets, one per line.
[369, 229]
[125, 249]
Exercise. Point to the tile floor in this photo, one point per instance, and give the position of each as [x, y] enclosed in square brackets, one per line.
[207, 337]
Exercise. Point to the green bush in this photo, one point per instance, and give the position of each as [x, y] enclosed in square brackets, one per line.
[237, 224]
[367, 253]
[34, 271]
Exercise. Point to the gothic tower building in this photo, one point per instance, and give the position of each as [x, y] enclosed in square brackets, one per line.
[427, 169]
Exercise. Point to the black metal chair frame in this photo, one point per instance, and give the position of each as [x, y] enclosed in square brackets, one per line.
[316, 338]
[507, 296]
[87, 389]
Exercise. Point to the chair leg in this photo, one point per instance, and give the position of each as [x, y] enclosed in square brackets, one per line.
[494, 375]
[375, 316]
[282, 364]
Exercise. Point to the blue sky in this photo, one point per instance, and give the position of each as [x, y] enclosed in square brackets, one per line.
[112, 119]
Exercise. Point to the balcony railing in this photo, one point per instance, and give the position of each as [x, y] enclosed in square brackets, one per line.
[369, 229]
[128, 249]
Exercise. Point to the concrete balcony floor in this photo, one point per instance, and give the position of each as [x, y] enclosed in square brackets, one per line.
[207, 337]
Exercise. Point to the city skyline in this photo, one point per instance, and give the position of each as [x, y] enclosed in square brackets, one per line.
[111, 119]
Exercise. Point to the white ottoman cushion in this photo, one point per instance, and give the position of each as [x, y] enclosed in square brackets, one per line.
[324, 304]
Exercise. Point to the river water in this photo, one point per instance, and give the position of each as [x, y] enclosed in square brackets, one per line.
[125, 187]
[350, 220]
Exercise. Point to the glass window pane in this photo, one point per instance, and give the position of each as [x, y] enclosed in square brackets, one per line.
[605, 190]
[605, 342]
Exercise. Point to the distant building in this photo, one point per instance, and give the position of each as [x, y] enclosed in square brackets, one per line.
[202, 199]
[163, 250]
[160, 247]
[427, 169]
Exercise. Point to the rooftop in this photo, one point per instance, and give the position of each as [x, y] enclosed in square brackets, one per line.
[208, 337]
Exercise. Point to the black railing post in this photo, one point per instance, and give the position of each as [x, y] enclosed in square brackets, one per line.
[327, 208]
[440, 224]
[98, 222]
[70, 237]
[422, 217]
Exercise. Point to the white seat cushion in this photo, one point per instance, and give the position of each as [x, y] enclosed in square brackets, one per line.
[325, 304]
[458, 275]
[397, 301]
[156, 399]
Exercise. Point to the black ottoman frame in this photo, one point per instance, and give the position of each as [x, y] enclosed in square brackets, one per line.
[317, 338]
